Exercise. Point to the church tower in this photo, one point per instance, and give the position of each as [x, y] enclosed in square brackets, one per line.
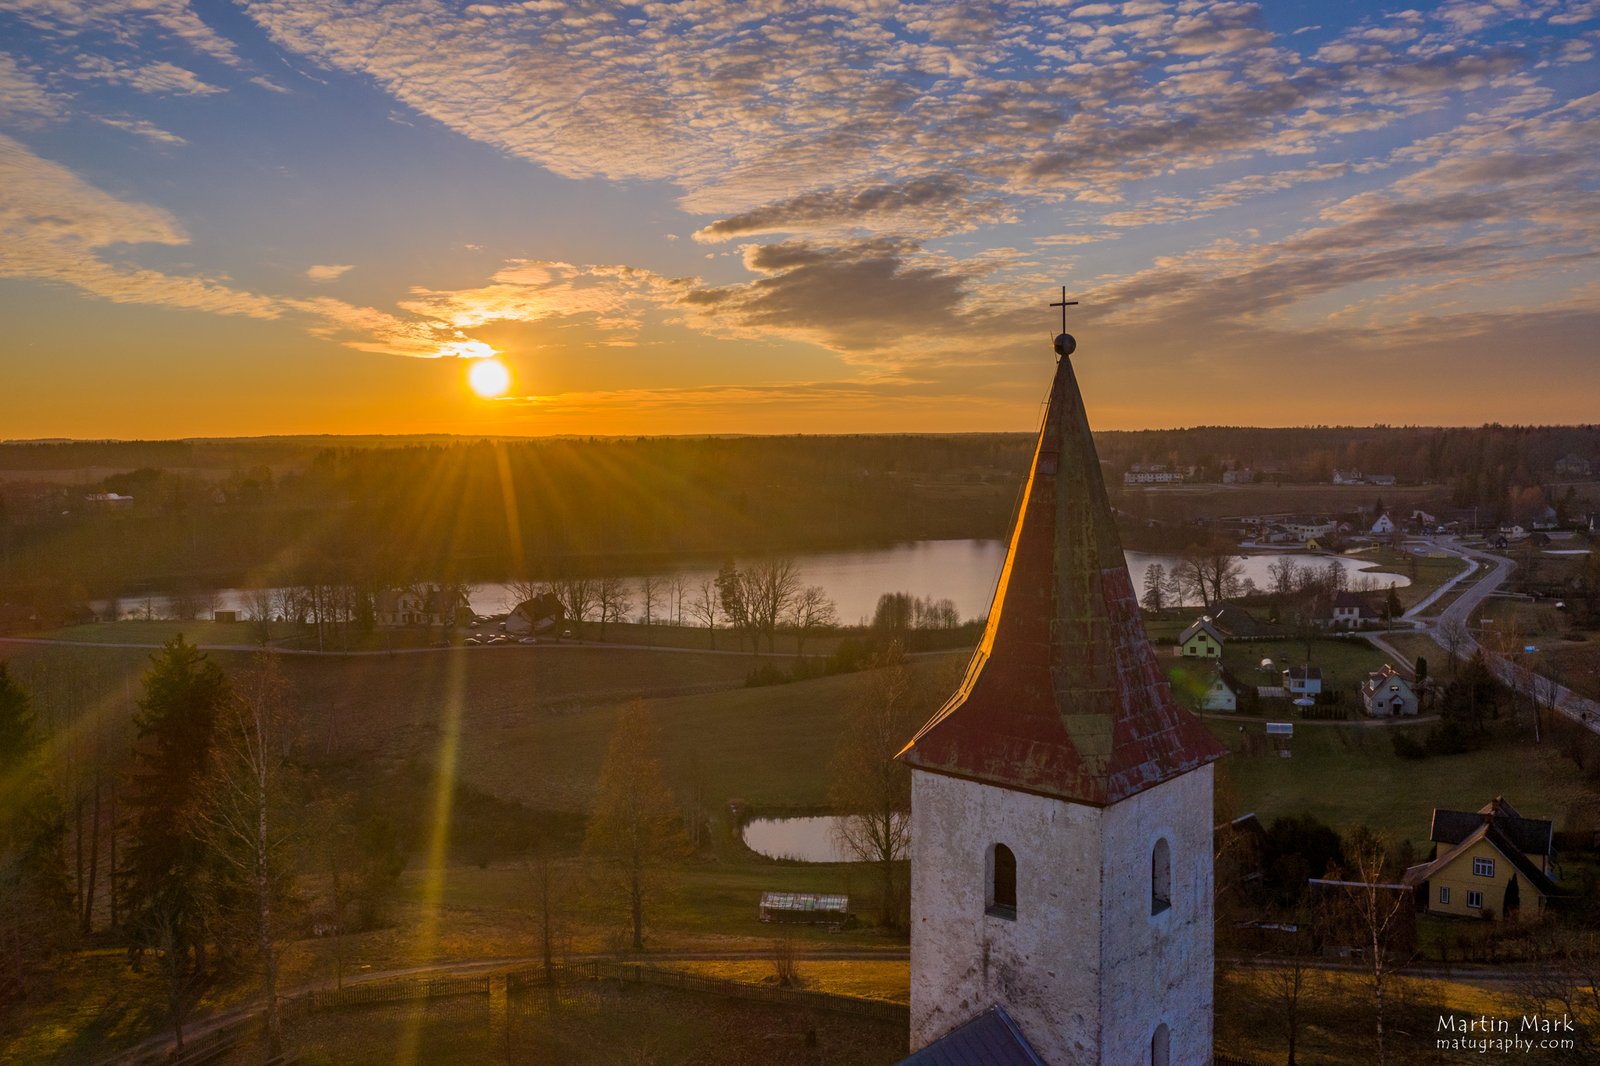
[1061, 863]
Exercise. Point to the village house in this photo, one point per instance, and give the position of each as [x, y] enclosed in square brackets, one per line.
[1492, 863]
[1242, 476]
[1386, 694]
[1348, 477]
[1223, 692]
[1236, 623]
[1351, 610]
[543, 614]
[1303, 680]
[1202, 640]
[1574, 466]
[1383, 526]
[431, 606]
[1151, 474]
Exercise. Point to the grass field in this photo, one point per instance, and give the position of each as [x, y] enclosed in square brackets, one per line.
[1348, 774]
[1337, 1025]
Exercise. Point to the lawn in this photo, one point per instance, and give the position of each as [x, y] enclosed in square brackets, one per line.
[1348, 774]
[1337, 1020]
[1427, 572]
[863, 978]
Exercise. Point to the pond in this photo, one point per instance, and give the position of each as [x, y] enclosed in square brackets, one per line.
[806, 839]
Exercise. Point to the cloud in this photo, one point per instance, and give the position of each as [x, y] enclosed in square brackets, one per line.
[126, 22]
[933, 205]
[882, 297]
[143, 128]
[329, 271]
[609, 299]
[56, 227]
[158, 77]
[27, 102]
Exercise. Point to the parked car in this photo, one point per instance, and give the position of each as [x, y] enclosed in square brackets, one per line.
[472, 640]
[528, 640]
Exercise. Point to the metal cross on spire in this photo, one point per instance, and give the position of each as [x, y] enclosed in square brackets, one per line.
[1066, 344]
[1064, 304]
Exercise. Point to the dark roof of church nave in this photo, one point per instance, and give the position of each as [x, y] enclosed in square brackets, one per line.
[1064, 696]
[990, 1039]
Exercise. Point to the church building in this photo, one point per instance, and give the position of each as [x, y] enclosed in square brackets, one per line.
[1061, 862]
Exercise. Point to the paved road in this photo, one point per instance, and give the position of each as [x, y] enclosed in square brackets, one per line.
[1493, 570]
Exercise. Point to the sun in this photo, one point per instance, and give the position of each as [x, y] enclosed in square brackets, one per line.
[488, 378]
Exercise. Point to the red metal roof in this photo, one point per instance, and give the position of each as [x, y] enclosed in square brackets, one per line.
[1064, 697]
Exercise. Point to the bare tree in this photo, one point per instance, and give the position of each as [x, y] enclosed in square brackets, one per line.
[611, 597]
[244, 820]
[520, 590]
[577, 596]
[652, 594]
[1453, 636]
[258, 607]
[634, 839]
[1283, 572]
[1564, 980]
[1375, 914]
[770, 589]
[677, 590]
[812, 610]
[870, 791]
[705, 606]
[1287, 979]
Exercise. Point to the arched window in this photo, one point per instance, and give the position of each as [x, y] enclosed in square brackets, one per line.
[1160, 1046]
[1160, 877]
[1002, 901]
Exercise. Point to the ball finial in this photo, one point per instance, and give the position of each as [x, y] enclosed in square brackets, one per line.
[1066, 344]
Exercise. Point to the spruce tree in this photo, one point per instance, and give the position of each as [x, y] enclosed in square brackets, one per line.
[36, 914]
[165, 871]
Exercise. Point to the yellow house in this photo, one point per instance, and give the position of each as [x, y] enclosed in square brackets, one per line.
[1489, 864]
[1202, 640]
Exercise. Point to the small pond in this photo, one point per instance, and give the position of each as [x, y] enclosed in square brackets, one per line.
[808, 839]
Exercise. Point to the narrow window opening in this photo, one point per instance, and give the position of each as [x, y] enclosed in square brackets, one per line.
[1002, 902]
[1160, 1046]
[1160, 877]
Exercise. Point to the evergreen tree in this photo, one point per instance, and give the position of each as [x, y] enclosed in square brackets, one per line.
[635, 836]
[36, 914]
[166, 859]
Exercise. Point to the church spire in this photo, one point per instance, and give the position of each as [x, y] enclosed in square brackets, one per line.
[1064, 697]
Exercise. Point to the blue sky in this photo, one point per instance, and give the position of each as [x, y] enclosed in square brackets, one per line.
[293, 216]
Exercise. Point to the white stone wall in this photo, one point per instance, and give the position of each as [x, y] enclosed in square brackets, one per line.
[1083, 990]
[1041, 965]
[1158, 968]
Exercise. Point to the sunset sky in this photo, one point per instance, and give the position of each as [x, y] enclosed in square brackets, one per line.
[297, 216]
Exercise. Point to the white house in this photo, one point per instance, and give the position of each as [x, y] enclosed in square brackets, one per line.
[542, 614]
[1351, 610]
[1303, 680]
[1385, 694]
[433, 606]
[1383, 526]
[1348, 477]
[1223, 692]
[1061, 817]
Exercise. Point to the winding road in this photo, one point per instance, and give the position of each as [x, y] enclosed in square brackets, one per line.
[1491, 572]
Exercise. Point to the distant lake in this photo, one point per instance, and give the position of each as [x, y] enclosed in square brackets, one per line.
[964, 571]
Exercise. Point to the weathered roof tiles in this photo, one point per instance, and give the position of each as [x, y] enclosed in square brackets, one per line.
[1064, 696]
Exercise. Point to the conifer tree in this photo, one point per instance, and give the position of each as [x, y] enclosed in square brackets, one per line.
[36, 917]
[165, 867]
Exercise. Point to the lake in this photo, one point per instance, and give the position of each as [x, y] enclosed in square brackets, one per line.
[963, 571]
